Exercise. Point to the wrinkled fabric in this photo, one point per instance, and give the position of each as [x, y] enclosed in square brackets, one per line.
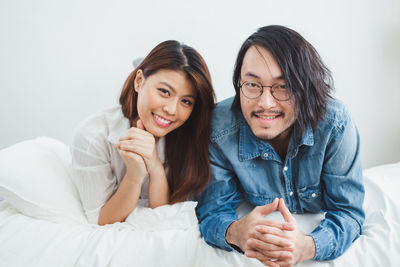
[321, 173]
[97, 168]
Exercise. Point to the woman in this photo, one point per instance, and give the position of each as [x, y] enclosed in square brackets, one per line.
[154, 147]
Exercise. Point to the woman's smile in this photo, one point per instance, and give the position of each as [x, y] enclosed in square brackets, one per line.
[161, 121]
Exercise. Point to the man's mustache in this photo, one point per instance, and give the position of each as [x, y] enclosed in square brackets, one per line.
[277, 112]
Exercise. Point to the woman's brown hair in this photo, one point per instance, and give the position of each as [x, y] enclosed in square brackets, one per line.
[186, 148]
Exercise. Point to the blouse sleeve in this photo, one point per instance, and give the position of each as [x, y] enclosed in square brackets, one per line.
[91, 169]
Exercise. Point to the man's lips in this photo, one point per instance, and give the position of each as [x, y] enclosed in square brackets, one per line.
[267, 116]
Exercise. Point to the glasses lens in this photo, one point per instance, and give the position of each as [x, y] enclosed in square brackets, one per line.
[280, 92]
[251, 89]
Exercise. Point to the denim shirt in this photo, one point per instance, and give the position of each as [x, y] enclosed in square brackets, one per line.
[321, 173]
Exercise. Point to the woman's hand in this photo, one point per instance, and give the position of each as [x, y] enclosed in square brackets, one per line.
[137, 142]
[140, 143]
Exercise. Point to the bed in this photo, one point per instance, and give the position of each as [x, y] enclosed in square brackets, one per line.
[42, 222]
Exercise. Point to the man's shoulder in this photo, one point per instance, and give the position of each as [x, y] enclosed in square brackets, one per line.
[225, 120]
[337, 113]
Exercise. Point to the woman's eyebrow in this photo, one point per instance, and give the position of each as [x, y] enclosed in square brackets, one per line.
[173, 89]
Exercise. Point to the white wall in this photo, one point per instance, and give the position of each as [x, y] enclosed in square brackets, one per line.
[63, 60]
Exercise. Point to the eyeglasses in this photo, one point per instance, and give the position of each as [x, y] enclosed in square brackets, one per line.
[253, 90]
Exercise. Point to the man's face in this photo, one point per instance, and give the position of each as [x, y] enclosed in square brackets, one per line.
[268, 118]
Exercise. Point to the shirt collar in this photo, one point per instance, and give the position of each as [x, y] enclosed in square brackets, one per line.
[248, 143]
[251, 147]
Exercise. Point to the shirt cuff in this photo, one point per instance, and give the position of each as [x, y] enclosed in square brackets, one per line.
[323, 244]
[93, 215]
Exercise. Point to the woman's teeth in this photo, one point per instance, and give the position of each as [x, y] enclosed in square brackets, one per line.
[164, 121]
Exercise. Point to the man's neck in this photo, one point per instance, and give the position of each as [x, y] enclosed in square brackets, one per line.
[281, 143]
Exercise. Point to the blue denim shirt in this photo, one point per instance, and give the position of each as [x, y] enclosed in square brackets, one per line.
[321, 173]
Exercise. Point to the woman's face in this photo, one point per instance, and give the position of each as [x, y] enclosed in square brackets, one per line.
[165, 100]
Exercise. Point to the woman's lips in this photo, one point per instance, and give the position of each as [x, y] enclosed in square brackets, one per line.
[160, 121]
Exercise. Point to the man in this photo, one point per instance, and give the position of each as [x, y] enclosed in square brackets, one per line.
[282, 143]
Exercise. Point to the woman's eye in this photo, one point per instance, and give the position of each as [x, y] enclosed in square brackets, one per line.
[163, 91]
[282, 86]
[187, 102]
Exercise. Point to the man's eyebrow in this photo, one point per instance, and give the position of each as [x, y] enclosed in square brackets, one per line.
[250, 74]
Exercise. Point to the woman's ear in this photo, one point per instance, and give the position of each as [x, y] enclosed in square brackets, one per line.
[139, 79]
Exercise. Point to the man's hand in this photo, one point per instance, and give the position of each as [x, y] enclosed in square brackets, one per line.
[240, 232]
[269, 250]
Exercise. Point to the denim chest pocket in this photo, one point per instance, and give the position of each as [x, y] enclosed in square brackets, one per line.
[310, 198]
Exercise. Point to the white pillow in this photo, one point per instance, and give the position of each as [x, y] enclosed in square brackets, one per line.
[34, 178]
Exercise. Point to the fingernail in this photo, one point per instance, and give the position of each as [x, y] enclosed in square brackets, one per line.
[249, 253]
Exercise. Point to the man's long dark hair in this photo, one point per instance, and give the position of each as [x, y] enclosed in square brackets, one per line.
[186, 148]
[308, 79]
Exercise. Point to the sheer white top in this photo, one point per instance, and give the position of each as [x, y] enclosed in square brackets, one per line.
[97, 168]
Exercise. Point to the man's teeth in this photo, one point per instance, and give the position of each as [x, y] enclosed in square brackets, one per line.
[162, 120]
[267, 117]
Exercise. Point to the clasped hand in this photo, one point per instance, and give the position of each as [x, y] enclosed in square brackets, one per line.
[137, 148]
[273, 243]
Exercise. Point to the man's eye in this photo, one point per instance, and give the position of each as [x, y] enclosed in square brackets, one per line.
[252, 85]
[163, 91]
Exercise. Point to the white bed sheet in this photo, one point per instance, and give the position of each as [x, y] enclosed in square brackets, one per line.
[169, 236]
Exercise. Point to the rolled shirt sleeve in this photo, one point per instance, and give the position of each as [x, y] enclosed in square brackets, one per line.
[344, 193]
[218, 203]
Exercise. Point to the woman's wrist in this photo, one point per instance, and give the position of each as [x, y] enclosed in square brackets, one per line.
[155, 168]
[134, 178]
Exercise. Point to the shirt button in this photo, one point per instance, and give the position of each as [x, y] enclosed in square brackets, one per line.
[285, 168]
[313, 195]
[291, 194]
[265, 155]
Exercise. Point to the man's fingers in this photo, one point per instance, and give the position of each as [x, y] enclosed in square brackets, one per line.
[257, 255]
[287, 216]
[282, 257]
[268, 242]
[267, 209]
[277, 224]
[279, 228]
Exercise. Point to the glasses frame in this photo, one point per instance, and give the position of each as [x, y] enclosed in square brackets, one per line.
[262, 91]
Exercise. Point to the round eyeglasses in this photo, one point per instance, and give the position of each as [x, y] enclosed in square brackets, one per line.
[253, 90]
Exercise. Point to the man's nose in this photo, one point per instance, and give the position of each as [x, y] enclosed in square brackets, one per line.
[266, 100]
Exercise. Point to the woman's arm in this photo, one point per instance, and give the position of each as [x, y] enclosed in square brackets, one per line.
[158, 187]
[139, 142]
[122, 203]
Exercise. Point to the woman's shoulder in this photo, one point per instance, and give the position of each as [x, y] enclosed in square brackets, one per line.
[99, 126]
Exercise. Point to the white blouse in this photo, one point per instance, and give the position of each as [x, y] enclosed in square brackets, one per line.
[97, 168]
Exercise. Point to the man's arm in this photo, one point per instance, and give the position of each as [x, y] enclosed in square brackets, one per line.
[217, 205]
[219, 223]
[343, 194]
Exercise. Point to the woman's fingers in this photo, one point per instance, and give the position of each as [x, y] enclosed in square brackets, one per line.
[134, 132]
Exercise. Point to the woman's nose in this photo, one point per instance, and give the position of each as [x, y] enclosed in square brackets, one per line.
[170, 107]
